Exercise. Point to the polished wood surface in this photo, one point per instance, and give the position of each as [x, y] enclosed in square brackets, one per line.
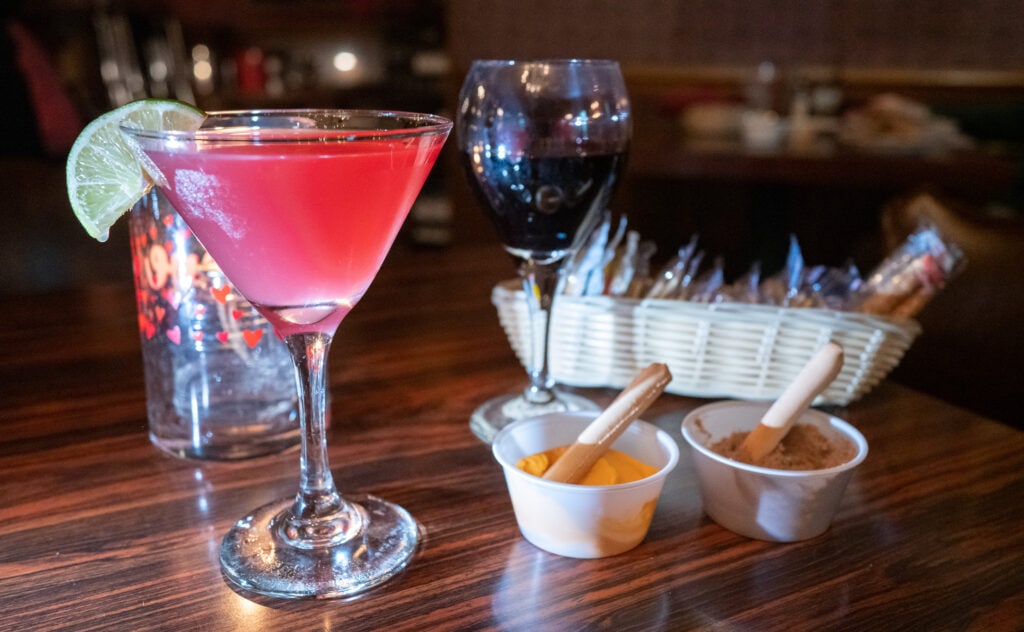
[99, 530]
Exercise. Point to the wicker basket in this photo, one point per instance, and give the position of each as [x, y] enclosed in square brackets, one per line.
[713, 350]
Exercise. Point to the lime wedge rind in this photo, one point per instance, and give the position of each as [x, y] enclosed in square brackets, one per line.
[107, 172]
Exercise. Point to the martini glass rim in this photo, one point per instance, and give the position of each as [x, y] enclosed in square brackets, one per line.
[345, 125]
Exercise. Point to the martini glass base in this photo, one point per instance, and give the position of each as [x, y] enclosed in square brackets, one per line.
[254, 557]
[494, 414]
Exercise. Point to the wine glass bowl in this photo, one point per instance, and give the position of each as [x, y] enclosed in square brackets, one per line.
[543, 144]
[299, 209]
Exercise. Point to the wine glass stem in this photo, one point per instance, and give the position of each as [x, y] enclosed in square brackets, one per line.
[319, 516]
[540, 280]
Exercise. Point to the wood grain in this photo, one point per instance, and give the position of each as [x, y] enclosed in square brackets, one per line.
[100, 531]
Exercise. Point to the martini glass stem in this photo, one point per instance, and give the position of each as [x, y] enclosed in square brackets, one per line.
[319, 516]
[540, 280]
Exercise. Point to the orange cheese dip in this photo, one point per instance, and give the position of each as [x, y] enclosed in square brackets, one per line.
[611, 469]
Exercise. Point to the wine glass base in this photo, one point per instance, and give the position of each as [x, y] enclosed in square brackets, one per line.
[494, 414]
[254, 557]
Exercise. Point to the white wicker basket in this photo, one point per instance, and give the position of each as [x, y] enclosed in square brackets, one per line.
[713, 350]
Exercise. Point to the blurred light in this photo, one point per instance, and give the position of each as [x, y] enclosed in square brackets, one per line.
[158, 70]
[430, 64]
[202, 70]
[345, 61]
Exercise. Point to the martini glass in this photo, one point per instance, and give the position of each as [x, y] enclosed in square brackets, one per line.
[299, 208]
[543, 144]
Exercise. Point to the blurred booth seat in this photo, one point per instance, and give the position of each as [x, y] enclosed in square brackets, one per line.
[971, 351]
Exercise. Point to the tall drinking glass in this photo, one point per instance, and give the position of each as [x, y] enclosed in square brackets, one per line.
[543, 144]
[299, 208]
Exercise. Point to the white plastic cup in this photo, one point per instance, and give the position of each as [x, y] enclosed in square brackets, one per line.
[583, 521]
[765, 503]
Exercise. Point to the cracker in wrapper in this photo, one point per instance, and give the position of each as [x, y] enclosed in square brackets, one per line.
[619, 264]
[909, 277]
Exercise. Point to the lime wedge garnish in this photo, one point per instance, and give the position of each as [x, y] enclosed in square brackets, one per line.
[106, 176]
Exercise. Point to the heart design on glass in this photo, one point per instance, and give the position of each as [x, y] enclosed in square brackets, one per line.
[222, 336]
[252, 337]
[146, 327]
[221, 293]
[168, 220]
[174, 334]
[197, 336]
[236, 314]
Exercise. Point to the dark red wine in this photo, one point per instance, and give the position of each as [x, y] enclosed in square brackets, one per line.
[539, 205]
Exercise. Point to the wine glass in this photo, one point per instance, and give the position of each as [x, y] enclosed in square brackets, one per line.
[543, 144]
[299, 209]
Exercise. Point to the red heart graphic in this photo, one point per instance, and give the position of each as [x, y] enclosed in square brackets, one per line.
[236, 314]
[159, 311]
[168, 220]
[222, 336]
[221, 293]
[197, 335]
[252, 336]
[200, 309]
[174, 334]
[146, 327]
[169, 247]
[152, 233]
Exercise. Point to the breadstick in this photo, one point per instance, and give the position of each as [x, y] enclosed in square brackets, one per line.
[812, 379]
[598, 436]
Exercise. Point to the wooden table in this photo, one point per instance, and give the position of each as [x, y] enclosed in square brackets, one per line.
[99, 530]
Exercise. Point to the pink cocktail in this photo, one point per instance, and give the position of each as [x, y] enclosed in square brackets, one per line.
[299, 209]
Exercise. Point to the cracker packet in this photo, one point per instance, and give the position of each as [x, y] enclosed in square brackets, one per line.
[906, 280]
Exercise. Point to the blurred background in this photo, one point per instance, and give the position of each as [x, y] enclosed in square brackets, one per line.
[755, 119]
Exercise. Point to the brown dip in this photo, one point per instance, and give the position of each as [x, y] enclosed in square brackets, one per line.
[803, 448]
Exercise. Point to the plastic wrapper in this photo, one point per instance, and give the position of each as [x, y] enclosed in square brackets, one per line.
[623, 267]
[587, 259]
[744, 289]
[783, 288]
[671, 275]
[832, 288]
[683, 290]
[641, 282]
[619, 264]
[707, 286]
[910, 276]
[597, 282]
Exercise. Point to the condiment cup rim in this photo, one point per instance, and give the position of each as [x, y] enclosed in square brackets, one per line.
[663, 438]
[845, 428]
